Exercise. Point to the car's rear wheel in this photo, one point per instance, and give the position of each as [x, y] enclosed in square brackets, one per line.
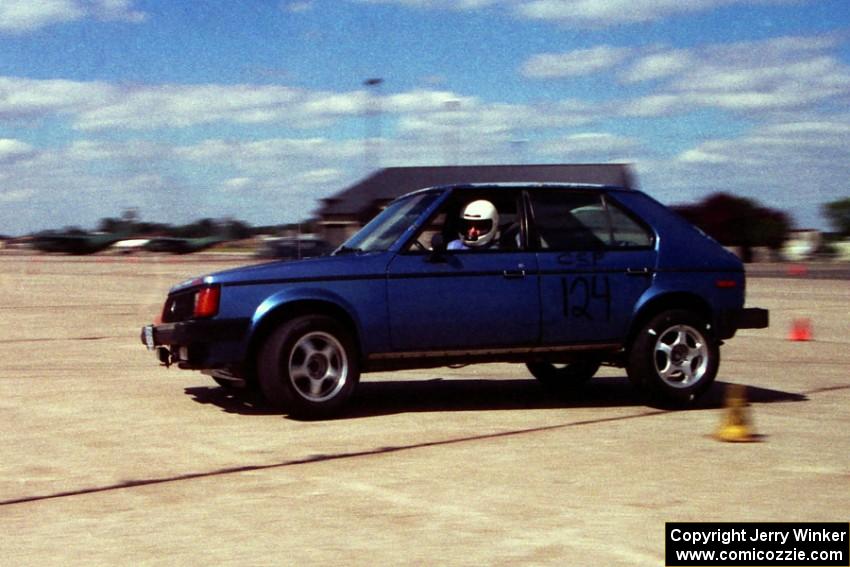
[308, 367]
[674, 357]
[563, 375]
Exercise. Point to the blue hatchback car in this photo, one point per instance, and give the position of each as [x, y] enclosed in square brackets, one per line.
[562, 278]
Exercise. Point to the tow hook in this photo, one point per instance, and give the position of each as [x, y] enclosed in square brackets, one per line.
[164, 356]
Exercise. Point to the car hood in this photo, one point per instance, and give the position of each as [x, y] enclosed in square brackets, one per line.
[324, 267]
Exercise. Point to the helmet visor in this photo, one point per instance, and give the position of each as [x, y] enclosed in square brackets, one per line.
[473, 229]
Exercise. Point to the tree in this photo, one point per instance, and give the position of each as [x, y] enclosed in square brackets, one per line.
[128, 222]
[838, 215]
[110, 224]
[737, 221]
[237, 229]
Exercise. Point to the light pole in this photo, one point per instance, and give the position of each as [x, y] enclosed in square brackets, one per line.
[372, 141]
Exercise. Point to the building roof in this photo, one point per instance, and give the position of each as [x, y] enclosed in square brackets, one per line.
[392, 182]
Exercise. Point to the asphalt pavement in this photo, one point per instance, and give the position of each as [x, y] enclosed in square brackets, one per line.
[109, 459]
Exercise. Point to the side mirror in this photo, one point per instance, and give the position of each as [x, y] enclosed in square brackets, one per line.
[438, 248]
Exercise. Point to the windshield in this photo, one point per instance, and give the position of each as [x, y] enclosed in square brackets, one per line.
[383, 230]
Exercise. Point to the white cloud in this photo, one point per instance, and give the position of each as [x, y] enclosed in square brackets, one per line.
[123, 10]
[705, 155]
[574, 63]
[321, 176]
[655, 105]
[19, 16]
[126, 151]
[421, 100]
[14, 150]
[658, 66]
[835, 129]
[27, 99]
[474, 119]
[779, 74]
[180, 106]
[604, 13]
[16, 195]
[96, 107]
[23, 16]
[102, 106]
[607, 12]
[438, 4]
[239, 184]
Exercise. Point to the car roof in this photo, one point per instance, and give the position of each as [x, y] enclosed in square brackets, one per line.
[520, 185]
[533, 185]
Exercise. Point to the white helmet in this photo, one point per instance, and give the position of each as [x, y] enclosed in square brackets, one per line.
[479, 223]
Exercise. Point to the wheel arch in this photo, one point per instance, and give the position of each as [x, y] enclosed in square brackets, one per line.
[664, 302]
[272, 318]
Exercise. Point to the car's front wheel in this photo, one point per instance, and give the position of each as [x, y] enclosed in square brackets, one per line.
[675, 357]
[563, 375]
[308, 367]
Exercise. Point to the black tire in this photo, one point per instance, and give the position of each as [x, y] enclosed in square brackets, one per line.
[308, 367]
[674, 357]
[564, 375]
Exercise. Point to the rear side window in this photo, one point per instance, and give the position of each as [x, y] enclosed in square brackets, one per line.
[627, 233]
[565, 220]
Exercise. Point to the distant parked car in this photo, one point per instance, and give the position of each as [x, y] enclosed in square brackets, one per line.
[177, 245]
[294, 248]
[562, 278]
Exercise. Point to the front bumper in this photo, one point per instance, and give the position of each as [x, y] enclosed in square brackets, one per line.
[199, 344]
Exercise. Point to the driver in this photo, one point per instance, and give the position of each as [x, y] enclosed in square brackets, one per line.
[479, 227]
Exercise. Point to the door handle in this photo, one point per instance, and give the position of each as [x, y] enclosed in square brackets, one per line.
[513, 274]
[638, 272]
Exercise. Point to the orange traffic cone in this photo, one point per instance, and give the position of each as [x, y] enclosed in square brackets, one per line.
[797, 270]
[736, 424]
[801, 330]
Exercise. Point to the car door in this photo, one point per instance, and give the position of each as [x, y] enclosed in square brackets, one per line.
[595, 261]
[464, 299]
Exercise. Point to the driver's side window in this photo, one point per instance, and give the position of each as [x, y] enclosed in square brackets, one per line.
[448, 223]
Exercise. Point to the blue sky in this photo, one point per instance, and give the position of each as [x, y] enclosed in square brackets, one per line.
[256, 109]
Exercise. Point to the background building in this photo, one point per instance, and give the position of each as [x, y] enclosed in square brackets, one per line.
[341, 215]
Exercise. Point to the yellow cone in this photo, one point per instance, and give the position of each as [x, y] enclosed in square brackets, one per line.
[736, 424]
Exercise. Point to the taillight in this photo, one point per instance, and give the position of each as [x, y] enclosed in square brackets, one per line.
[206, 301]
[725, 284]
